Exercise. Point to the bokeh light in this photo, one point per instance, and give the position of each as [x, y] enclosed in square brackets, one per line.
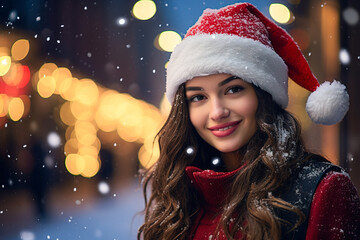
[60, 76]
[280, 13]
[85, 132]
[87, 92]
[144, 9]
[89, 108]
[46, 86]
[18, 75]
[75, 164]
[66, 115]
[16, 109]
[147, 158]
[167, 40]
[20, 49]
[5, 64]
[92, 166]
[81, 111]
[4, 103]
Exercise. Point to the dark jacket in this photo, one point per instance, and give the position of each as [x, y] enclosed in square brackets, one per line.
[334, 212]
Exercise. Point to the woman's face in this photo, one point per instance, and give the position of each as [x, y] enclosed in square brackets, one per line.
[222, 109]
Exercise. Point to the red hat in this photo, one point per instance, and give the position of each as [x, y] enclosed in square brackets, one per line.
[239, 40]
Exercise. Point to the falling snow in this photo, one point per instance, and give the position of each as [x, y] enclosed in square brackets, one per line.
[215, 161]
[54, 140]
[27, 235]
[189, 150]
[344, 57]
[351, 16]
[103, 188]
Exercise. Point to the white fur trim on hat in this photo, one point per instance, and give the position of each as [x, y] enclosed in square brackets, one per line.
[246, 58]
[328, 104]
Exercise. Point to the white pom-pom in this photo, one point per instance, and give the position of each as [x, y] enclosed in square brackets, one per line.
[328, 104]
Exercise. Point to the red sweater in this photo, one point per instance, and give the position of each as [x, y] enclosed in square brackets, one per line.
[334, 213]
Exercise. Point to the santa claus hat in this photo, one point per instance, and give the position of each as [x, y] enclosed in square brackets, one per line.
[239, 40]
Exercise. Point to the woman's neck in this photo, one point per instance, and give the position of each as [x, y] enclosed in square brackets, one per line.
[233, 160]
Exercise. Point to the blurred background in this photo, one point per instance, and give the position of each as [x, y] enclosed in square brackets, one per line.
[82, 96]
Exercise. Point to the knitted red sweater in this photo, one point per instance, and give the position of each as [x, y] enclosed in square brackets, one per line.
[334, 214]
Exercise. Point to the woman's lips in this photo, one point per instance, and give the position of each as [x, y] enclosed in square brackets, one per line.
[223, 130]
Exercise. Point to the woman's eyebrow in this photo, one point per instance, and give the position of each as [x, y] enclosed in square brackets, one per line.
[229, 79]
[194, 89]
[222, 83]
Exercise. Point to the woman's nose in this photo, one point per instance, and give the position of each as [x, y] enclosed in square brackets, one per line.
[218, 110]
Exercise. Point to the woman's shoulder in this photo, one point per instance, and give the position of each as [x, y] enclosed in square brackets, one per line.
[335, 209]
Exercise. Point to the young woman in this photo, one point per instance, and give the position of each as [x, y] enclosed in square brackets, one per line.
[232, 162]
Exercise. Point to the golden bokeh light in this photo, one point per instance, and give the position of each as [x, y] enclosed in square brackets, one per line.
[71, 146]
[148, 158]
[81, 111]
[150, 127]
[66, 115]
[4, 103]
[280, 13]
[60, 75]
[87, 92]
[16, 108]
[47, 69]
[68, 88]
[46, 86]
[92, 166]
[107, 115]
[20, 49]
[69, 132]
[89, 151]
[144, 9]
[5, 64]
[65, 87]
[89, 108]
[129, 135]
[165, 106]
[85, 132]
[167, 40]
[75, 163]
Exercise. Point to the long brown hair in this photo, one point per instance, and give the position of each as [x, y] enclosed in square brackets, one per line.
[271, 153]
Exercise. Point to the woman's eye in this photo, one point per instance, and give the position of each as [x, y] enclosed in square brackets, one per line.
[196, 98]
[235, 89]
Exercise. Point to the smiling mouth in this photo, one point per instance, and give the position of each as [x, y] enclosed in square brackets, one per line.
[225, 129]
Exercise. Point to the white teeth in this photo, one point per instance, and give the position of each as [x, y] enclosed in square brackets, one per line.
[223, 129]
